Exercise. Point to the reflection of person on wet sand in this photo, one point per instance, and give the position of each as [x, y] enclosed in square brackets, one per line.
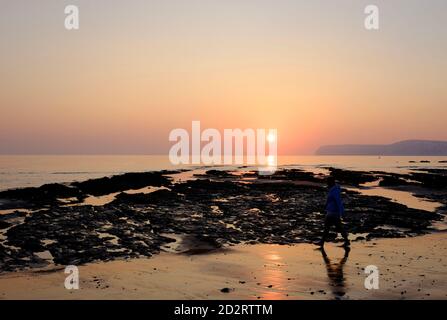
[335, 273]
[334, 212]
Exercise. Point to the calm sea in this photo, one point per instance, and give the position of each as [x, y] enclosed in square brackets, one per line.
[25, 171]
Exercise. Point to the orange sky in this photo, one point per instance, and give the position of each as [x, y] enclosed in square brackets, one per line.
[137, 69]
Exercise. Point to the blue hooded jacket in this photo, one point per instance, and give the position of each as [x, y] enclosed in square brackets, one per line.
[334, 204]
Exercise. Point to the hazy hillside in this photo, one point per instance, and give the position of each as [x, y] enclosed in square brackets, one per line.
[402, 148]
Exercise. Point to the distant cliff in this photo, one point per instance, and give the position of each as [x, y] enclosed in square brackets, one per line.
[402, 148]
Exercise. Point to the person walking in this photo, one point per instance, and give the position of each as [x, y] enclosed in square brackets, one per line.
[334, 212]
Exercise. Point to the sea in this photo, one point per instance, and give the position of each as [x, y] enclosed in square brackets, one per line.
[18, 171]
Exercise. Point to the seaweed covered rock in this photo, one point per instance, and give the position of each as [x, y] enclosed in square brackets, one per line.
[127, 181]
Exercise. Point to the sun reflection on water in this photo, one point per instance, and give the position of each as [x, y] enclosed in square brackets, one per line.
[273, 277]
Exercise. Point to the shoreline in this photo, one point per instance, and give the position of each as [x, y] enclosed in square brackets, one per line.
[38, 170]
[222, 234]
[410, 268]
[62, 224]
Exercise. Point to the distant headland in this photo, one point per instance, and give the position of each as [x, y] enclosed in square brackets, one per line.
[401, 148]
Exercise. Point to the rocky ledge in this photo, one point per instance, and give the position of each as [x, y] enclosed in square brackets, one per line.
[219, 208]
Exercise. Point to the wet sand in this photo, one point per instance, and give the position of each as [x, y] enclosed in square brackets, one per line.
[410, 268]
[197, 227]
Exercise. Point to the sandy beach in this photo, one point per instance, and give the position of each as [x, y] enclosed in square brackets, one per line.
[225, 234]
[410, 268]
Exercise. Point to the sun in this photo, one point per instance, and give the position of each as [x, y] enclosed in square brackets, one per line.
[271, 137]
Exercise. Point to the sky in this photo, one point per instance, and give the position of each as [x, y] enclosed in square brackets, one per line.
[135, 70]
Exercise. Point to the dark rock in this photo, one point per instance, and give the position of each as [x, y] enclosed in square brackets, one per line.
[46, 194]
[218, 173]
[292, 174]
[213, 213]
[352, 177]
[392, 180]
[127, 181]
[431, 178]
[4, 224]
[159, 196]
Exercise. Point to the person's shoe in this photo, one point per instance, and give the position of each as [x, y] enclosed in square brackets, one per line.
[320, 245]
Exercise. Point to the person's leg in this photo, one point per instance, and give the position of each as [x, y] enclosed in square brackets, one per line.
[327, 225]
[341, 229]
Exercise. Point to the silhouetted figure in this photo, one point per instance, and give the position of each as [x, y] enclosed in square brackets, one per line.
[335, 273]
[334, 212]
